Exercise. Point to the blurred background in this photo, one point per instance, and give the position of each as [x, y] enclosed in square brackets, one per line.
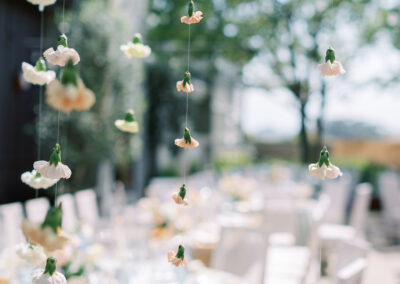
[261, 112]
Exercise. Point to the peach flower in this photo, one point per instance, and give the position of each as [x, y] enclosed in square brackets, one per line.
[187, 141]
[180, 196]
[178, 258]
[62, 54]
[331, 67]
[192, 17]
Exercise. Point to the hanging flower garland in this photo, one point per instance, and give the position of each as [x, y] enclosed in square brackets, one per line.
[128, 124]
[331, 67]
[53, 169]
[136, 48]
[38, 74]
[62, 54]
[324, 168]
[47, 234]
[48, 275]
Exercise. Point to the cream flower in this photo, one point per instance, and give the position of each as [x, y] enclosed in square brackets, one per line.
[324, 168]
[193, 17]
[180, 196]
[53, 169]
[48, 275]
[62, 54]
[128, 124]
[331, 67]
[187, 141]
[37, 74]
[69, 94]
[48, 234]
[42, 3]
[185, 85]
[37, 181]
[31, 253]
[135, 48]
[179, 258]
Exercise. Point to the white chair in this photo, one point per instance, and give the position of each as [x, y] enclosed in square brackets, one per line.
[330, 233]
[352, 273]
[338, 191]
[389, 188]
[11, 217]
[36, 209]
[86, 201]
[241, 251]
[69, 218]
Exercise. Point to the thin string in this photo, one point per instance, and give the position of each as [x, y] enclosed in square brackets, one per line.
[187, 108]
[63, 16]
[188, 55]
[39, 140]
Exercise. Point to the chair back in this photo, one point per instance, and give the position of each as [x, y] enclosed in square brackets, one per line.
[11, 217]
[389, 190]
[69, 218]
[359, 212]
[338, 191]
[88, 210]
[352, 273]
[241, 252]
[36, 209]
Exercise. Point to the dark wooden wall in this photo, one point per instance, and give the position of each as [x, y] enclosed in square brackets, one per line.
[19, 41]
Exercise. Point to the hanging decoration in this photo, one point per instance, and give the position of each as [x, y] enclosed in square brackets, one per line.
[48, 234]
[185, 85]
[42, 3]
[178, 258]
[38, 74]
[70, 93]
[187, 141]
[62, 54]
[179, 197]
[48, 275]
[31, 253]
[37, 181]
[53, 169]
[128, 124]
[136, 48]
[324, 168]
[192, 17]
[331, 67]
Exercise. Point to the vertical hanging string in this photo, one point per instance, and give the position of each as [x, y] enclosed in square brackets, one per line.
[39, 142]
[187, 107]
[58, 114]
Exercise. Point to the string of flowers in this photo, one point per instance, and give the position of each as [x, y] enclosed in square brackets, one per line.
[187, 141]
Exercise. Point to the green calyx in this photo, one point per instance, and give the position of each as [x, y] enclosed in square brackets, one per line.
[55, 156]
[62, 40]
[40, 65]
[70, 74]
[50, 266]
[182, 192]
[38, 175]
[181, 252]
[186, 78]
[187, 137]
[129, 116]
[53, 219]
[330, 55]
[324, 157]
[137, 39]
[191, 8]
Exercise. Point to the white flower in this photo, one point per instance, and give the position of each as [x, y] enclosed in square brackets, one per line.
[48, 275]
[31, 253]
[53, 169]
[321, 172]
[331, 69]
[62, 54]
[135, 48]
[39, 77]
[128, 124]
[179, 258]
[324, 168]
[188, 88]
[42, 3]
[36, 180]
